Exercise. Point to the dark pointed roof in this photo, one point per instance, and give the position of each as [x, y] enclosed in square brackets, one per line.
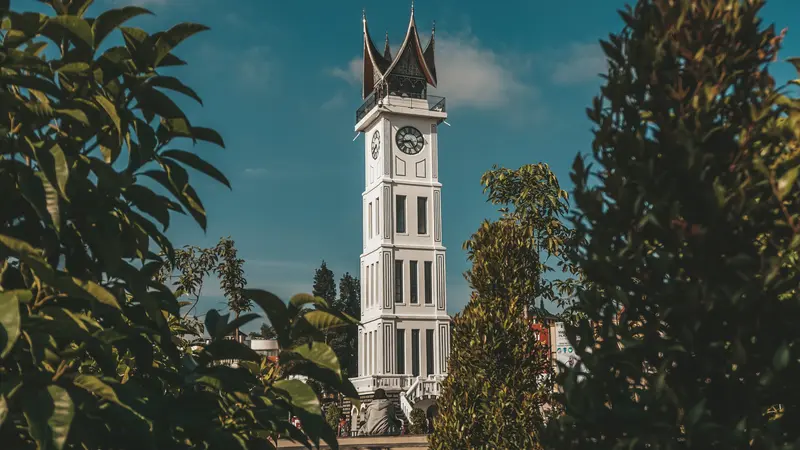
[387, 50]
[377, 67]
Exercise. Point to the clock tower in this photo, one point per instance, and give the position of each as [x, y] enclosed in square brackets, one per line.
[404, 337]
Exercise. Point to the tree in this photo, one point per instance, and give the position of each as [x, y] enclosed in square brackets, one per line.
[345, 342]
[499, 385]
[418, 422]
[91, 348]
[324, 284]
[689, 238]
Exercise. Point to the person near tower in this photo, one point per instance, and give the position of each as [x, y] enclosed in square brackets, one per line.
[380, 418]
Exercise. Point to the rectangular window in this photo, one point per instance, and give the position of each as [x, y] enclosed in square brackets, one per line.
[378, 216]
[415, 353]
[369, 219]
[422, 215]
[400, 214]
[429, 351]
[398, 281]
[368, 292]
[428, 282]
[400, 352]
[412, 273]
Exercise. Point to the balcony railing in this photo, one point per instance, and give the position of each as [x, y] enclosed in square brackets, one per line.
[429, 102]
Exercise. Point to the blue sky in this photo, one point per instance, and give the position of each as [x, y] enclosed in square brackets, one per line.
[280, 83]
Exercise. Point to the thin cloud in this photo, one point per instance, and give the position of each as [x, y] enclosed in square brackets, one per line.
[582, 63]
[256, 172]
[335, 102]
[470, 75]
[253, 68]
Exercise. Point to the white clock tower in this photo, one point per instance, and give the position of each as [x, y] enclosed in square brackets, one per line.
[404, 339]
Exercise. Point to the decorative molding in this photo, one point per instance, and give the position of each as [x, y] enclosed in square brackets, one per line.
[387, 145]
[400, 166]
[437, 216]
[440, 282]
[442, 332]
[388, 281]
[387, 211]
[434, 152]
[388, 340]
[421, 169]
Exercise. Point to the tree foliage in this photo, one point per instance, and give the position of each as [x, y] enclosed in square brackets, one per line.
[499, 375]
[418, 422]
[691, 231]
[345, 342]
[90, 350]
[532, 207]
[324, 283]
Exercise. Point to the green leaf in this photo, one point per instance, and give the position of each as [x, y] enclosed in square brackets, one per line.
[786, 182]
[155, 101]
[99, 388]
[75, 67]
[76, 26]
[10, 321]
[229, 349]
[197, 163]
[149, 202]
[76, 114]
[299, 300]
[109, 20]
[174, 84]
[174, 36]
[3, 400]
[111, 110]
[212, 322]
[323, 320]
[208, 135]
[781, 358]
[49, 414]
[795, 62]
[300, 395]
[320, 354]
[237, 322]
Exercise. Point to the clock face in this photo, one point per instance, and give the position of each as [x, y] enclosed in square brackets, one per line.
[409, 140]
[376, 144]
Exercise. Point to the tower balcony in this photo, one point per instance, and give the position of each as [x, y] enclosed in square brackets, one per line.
[417, 101]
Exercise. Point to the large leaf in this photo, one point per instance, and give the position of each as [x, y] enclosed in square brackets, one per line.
[197, 163]
[49, 414]
[229, 349]
[174, 36]
[272, 306]
[234, 324]
[174, 84]
[154, 101]
[300, 395]
[76, 26]
[109, 20]
[323, 320]
[208, 135]
[318, 353]
[9, 320]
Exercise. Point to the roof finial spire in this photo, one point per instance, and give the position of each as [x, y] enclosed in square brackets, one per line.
[364, 14]
[412, 7]
[433, 29]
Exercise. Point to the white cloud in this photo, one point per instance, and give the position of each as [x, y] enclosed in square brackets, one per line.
[252, 68]
[470, 75]
[582, 63]
[350, 74]
[335, 102]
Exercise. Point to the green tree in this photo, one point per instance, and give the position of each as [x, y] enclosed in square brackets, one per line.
[690, 229]
[91, 348]
[500, 380]
[324, 284]
[418, 422]
[345, 342]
